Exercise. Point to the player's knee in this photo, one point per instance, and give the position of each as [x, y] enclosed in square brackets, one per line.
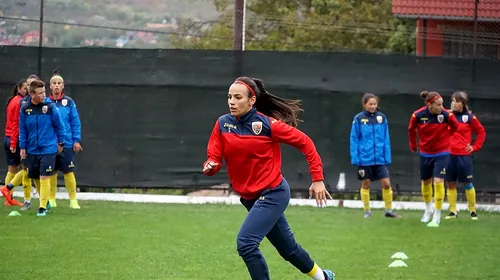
[385, 183]
[468, 186]
[245, 245]
[365, 184]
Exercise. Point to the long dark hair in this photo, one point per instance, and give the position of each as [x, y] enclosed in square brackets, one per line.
[286, 110]
[15, 90]
[461, 96]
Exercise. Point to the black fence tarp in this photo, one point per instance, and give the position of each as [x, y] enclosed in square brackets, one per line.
[147, 114]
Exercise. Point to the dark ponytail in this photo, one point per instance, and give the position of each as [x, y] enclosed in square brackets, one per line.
[15, 90]
[286, 110]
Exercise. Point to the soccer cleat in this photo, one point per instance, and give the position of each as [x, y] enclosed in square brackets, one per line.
[427, 216]
[433, 224]
[73, 204]
[473, 216]
[390, 214]
[53, 203]
[41, 212]
[452, 215]
[26, 206]
[6, 203]
[368, 214]
[329, 274]
[48, 206]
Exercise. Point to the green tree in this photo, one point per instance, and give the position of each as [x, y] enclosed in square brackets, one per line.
[308, 25]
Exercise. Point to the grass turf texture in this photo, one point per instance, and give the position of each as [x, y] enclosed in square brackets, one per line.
[108, 240]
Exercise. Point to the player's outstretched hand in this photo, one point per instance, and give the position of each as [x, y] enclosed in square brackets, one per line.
[320, 193]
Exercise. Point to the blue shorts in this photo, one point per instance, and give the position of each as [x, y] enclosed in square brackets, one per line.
[40, 165]
[373, 172]
[65, 161]
[433, 167]
[459, 169]
[13, 159]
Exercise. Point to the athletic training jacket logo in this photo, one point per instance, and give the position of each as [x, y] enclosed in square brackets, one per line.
[369, 141]
[462, 137]
[250, 146]
[70, 117]
[433, 132]
[39, 131]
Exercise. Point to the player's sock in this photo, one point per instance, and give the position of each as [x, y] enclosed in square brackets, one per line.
[44, 192]
[470, 194]
[365, 198]
[17, 179]
[452, 200]
[438, 195]
[26, 185]
[70, 183]
[427, 194]
[9, 177]
[317, 273]
[27, 182]
[53, 187]
[37, 185]
[387, 196]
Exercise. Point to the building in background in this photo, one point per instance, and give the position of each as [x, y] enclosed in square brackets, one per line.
[454, 28]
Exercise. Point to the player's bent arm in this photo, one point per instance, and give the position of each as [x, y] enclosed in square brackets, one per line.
[412, 132]
[480, 133]
[287, 134]
[214, 151]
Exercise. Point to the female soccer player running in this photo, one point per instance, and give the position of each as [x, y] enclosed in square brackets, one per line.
[370, 147]
[248, 139]
[65, 161]
[433, 125]
[460, 163]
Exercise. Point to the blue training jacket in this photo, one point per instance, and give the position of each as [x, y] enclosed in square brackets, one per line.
[40, 128]
[71, 119]
[370, 142]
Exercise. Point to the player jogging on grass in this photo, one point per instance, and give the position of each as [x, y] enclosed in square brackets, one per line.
[248, 139]
[40, 127]
[370, 147]
[65, 161]
[460, 163]
[431, 124]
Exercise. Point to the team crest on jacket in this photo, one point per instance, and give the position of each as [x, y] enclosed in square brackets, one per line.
[440, 118]
[465, 118]
[257, 127]
[64, 102]
[379, 119]
[45, 109]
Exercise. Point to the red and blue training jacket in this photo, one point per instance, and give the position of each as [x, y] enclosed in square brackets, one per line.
[462, 137]
[250, 146]
[433, 132]
[12, 122]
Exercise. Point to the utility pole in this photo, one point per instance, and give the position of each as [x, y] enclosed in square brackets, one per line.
[239, 25]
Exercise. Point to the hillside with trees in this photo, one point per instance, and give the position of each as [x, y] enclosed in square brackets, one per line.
[282, 25]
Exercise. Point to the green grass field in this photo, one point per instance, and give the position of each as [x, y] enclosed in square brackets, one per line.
[165, 241]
